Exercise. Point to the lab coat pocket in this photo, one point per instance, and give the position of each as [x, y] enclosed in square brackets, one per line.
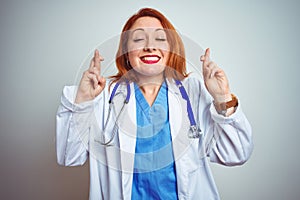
[194, 177]
[200, 183]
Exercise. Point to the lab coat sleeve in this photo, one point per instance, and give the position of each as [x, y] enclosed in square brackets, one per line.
[73, 123]
[228, 139]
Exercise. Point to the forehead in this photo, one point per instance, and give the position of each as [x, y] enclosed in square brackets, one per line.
[146, 22]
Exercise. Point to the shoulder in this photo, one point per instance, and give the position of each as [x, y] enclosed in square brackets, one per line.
[196, 89]
[190, 84]
[193, 85]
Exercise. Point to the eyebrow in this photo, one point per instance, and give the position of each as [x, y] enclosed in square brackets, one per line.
[141, 29]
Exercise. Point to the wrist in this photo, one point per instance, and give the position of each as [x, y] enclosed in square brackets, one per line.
[80, 98]
[227, 106]
[222, 98]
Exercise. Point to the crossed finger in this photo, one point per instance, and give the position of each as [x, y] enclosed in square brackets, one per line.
[205, 58]
[95, 69]
[210, 68]
[95, 65]
[213, 69]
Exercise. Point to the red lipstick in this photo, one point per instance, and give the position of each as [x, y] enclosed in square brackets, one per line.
[150, 59]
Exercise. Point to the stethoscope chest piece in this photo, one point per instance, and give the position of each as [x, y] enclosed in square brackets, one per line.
[194, 132]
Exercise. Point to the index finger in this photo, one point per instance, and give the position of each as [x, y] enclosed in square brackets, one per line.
[97, 59]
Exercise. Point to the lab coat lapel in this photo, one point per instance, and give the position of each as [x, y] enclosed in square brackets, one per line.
[179, 125]
[127, 141]
[127, 133]
[179, 122]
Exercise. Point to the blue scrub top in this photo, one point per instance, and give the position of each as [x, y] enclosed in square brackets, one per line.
[154, 167]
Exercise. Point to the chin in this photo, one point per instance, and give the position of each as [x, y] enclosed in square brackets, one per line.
[152, 70]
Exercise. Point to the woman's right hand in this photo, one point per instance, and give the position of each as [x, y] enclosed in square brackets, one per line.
[91, 83]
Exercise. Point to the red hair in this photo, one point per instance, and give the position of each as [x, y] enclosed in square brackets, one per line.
[176, 63]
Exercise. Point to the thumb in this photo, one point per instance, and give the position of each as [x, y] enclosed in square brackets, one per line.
[100, 87]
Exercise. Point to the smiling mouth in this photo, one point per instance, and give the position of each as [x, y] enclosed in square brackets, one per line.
[150, 59]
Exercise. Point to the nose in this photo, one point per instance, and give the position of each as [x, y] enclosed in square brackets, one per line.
[149, 45]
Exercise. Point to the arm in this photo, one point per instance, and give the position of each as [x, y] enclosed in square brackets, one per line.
[75, 115]
[73, 123]
[229, 137]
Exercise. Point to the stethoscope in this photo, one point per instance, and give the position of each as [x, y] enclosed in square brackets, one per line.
[194, 131]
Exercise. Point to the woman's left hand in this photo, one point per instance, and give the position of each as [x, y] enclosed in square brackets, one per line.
[215, 79]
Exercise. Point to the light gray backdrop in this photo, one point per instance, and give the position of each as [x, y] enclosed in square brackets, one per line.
[44, 42]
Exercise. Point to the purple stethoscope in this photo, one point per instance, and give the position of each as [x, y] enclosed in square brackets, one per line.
[194, 131]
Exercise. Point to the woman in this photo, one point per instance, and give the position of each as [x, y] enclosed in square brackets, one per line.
[150, 146]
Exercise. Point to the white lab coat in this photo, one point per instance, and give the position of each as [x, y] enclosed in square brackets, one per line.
[226, 140]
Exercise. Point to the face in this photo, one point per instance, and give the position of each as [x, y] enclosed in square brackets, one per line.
[148, 48]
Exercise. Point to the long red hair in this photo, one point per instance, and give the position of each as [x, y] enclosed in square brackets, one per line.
[176, 63]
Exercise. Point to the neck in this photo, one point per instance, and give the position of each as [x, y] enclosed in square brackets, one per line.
[150, 84]
[150, 87]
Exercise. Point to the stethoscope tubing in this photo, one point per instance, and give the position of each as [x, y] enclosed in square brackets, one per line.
[194, 132]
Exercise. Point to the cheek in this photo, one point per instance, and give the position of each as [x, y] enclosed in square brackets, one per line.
[133, 56]
[163, 47]
[134, 46]
[166, 56]
[165, 50]
[133, 49]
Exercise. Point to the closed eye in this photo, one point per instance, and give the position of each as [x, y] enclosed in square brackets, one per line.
[160, 39]
[138, 39]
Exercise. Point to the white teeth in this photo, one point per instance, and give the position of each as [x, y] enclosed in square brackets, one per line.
[150, 58]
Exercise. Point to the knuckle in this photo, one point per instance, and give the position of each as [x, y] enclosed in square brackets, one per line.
[212, 64]
[86, 73]
[95, 70]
